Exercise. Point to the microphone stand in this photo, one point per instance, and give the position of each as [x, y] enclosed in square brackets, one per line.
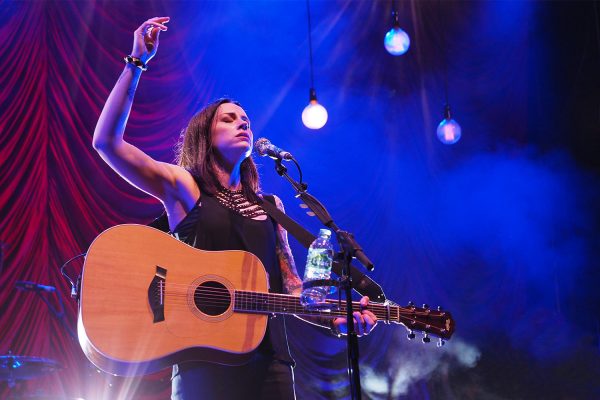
[350, 249]
[58, 313]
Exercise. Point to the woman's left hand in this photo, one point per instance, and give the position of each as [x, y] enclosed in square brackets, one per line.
[364, 320]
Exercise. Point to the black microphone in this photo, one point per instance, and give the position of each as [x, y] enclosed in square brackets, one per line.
[265, 148]
[32, 286]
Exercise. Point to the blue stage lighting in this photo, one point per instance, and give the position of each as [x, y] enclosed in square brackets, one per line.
[396, 41]
[448, 131]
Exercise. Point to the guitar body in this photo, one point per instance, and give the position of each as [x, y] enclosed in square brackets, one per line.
[141, 311]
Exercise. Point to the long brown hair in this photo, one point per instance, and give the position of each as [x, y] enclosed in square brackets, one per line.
[195, 153]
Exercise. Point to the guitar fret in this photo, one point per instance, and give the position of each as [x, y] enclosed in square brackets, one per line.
[268, 303]
[277, 303]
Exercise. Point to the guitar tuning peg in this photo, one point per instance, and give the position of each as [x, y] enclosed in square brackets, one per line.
[440, 342]
[439, 308]
[411, 335]
[426, 306]
[426, 338]
[410, 304]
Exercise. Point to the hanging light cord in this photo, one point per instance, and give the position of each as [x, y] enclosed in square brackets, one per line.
[312, 78]
[445, 52]
[445, 47]
[596, 19]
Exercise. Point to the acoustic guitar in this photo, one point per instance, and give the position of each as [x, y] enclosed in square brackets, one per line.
[148, 300]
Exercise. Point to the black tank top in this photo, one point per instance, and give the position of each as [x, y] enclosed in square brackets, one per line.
[211, 226]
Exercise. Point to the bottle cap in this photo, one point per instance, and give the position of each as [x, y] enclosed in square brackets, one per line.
[325, 232]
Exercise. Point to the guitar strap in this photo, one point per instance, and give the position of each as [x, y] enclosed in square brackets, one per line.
[362, 283]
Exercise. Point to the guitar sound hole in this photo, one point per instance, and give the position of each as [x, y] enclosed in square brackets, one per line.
[212, 298]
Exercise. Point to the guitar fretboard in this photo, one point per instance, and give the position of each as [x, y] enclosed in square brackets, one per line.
[422, 319]
[267, 303]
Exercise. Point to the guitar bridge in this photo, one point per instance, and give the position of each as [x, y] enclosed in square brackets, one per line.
[156, 294]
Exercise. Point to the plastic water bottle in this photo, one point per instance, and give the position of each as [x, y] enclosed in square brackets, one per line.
[318, 266]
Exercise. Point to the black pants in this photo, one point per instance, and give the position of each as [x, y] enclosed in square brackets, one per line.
[262, 378]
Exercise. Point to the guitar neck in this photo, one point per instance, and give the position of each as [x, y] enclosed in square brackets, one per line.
[275, 303]
[437, 322]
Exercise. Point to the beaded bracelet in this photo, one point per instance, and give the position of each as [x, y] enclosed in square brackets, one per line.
[135, 61]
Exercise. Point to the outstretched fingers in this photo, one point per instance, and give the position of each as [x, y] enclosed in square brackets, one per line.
[148, 26]
[145, 38]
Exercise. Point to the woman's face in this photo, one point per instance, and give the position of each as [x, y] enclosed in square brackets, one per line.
[231, 133]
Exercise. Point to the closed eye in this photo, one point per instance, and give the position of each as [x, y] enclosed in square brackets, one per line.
[231, 117]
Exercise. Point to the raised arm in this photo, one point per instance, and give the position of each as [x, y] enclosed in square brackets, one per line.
[153, 177]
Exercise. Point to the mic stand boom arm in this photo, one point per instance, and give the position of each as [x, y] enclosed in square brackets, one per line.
[323, 215]
[350, 249]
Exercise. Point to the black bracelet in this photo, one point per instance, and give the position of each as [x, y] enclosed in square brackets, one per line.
[135, 61]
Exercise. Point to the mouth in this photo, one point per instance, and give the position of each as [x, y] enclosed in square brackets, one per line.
[245, 135]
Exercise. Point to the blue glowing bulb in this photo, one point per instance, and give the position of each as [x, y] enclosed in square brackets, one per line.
[396, 41]
[448, 131]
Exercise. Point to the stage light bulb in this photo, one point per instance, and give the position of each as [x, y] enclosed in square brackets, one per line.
[448, 131]
[396, 41]
[314, 115]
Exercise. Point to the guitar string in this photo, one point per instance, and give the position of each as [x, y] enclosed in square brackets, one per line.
[252, 301]
[293, 308]
[280, 299]
[408, 322]
[248, 301]
[224, 297]
[201, 291]
[259, 301]
[277, 301]
[298, 311]
[432, 313]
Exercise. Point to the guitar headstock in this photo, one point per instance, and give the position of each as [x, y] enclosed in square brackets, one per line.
[437, 322]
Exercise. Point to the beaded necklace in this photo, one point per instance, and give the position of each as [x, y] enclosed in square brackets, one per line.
[236, 201]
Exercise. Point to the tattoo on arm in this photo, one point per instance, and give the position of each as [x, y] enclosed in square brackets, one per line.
[291, 281]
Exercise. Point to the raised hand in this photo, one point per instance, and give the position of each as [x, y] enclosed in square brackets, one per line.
[145, 38]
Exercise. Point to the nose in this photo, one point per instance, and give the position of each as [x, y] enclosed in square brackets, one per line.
[245, 126]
